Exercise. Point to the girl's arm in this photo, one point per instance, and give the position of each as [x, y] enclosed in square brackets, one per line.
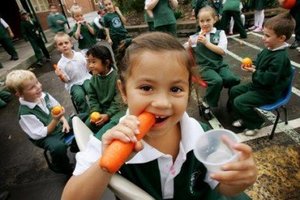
[151, 5]
[123, 19]
[173, 3]
[92, 183]
[89, 185]
[238, 175]
[218, 49]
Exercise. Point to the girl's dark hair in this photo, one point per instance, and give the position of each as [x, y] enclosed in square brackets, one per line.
[282, 24]
[103, 53]
[152, 41]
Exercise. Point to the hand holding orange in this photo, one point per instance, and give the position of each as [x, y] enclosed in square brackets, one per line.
[95, 116]
[56, 110]
[247, 62]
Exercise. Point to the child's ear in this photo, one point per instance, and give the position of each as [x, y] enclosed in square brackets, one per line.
[122, 90]
[283, 38]
[18, 94]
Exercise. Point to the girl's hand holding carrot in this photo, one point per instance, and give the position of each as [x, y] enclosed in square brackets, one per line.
[119, 142]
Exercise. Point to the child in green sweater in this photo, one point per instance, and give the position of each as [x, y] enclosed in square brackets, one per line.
[56, 21]
[103, 96]
[271, 75]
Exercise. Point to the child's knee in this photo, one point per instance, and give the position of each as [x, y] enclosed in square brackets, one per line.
[59, 149]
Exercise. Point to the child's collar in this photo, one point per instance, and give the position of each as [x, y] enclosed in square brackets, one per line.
[31, 104]
[283, 46]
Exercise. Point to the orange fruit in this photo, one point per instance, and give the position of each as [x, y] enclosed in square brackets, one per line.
[56, 110]
[95, 116]
[247, 62]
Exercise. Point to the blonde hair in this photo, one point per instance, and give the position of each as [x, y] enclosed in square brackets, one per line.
[61, 35]
[15, 79]
[75, 9]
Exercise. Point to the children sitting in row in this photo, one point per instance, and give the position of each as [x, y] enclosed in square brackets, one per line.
[271, 75]
[164, 164]
[44, 129]
[73, 71]
[103, 96]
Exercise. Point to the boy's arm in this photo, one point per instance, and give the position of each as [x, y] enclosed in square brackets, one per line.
[11, 34]
[23, 31]
[77, 32]
[114, 106]
[90, 28]
[108, 38]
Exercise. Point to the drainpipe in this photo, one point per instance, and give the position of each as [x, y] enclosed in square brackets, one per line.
[63, 11]
[41, 32]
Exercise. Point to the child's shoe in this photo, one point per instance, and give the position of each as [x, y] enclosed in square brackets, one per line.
[252, 28]
[204, 110]
[238, 123]
[257, 30]
[248, 132]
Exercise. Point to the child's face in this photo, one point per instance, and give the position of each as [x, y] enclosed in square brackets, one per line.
[108, 5]
[271, 40]
[53, 9]
[64, 45]
[78, 16]
[161, 88]
[206, 21]
[32, 90]
[96, 65]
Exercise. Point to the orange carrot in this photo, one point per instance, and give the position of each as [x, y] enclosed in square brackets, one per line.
[60, 76]
[118, 152]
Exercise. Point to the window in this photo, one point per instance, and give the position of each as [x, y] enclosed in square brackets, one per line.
[40, 5]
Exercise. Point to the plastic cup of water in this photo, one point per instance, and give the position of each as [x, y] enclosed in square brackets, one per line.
[213, 152]
[194, 40]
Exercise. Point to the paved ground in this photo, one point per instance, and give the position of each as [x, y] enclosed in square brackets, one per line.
[24, 172]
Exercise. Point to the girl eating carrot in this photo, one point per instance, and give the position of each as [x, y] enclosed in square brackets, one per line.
[163, 163]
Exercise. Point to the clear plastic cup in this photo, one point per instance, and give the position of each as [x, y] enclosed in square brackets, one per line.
[213, 152]
[194, 40]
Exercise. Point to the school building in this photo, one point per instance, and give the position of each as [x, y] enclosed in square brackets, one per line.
[39, 10]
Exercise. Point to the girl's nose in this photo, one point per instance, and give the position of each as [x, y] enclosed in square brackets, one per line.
[161, 101]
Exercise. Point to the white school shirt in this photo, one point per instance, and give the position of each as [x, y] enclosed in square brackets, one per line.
[191, 130]
[223, 39]
[30, 124]
[75, 69]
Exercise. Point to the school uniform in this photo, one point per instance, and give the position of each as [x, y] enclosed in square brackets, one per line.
[6, 41]
[86, 39]
[34, 117]
[103, 96]
[52, 22]
[30, 33]
[78, 77]
[150, 21]
[212, 68]
[257, 4]
[157, 174]
[271, 78]
[164, 18]
[117, 30]
[232, 9]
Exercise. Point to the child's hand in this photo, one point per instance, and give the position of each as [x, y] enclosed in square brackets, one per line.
[104, 118]
[202, 39]
[237, 175]
[117, 9]
[66, 127]
[248, 68]
[61, 75]
[59, 115]
[124, 131]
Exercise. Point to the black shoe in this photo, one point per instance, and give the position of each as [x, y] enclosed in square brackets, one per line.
[294, 45]
[4, 195]
[14, 58]
[205, 112]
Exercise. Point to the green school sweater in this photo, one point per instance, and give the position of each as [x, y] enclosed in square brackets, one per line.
[103, 96]
[273, 72]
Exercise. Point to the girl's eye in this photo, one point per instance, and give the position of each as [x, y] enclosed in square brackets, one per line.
[146, 88]
[176, 89]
